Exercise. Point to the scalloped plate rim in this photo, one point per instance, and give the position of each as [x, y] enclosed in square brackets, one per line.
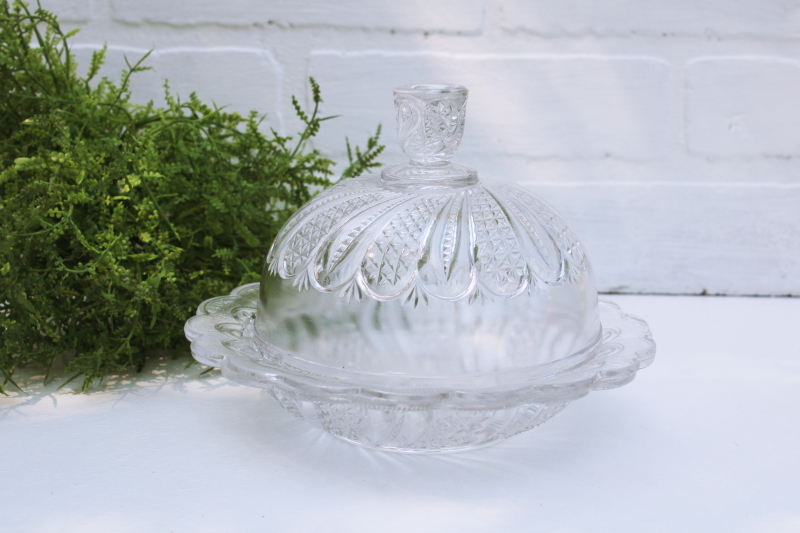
[214, 349]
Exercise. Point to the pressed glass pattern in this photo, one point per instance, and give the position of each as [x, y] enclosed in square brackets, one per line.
[426, 308]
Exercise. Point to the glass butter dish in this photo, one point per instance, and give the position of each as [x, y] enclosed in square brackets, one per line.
[428, 308]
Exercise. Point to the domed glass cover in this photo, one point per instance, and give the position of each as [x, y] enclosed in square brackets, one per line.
[429, 289]
[427, 271]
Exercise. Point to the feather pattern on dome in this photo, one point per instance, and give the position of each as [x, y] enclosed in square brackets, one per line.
[361, 238]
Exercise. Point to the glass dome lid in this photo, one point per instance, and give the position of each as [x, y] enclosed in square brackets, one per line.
[428, 289]
[427, 228]
[364, 238]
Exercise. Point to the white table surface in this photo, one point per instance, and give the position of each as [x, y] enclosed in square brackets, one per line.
[707, 439]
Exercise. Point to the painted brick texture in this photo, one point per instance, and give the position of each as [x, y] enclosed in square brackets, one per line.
[668, 132]
[676, 237]
[531, 106]
[70, 10]
[743, 106]
[422, 15]
[623, 17]
[240, 79]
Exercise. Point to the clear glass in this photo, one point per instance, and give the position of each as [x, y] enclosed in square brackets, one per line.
[409, 419]
[446, 285]
[429, 303]
[430, 124]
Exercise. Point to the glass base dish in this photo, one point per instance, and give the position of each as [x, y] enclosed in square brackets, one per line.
[412, 418]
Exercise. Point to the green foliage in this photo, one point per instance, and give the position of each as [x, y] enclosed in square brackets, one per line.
[117, 220]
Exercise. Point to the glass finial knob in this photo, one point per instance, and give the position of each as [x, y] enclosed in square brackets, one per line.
[430, 124]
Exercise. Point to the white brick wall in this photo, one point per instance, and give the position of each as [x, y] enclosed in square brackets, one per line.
[666, 131]
[767, 18]
[440, 16]
[241, 78]
[75, 11]
[743, 106]
[534, 106]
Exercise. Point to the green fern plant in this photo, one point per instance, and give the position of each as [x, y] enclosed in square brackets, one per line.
[117, 220]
